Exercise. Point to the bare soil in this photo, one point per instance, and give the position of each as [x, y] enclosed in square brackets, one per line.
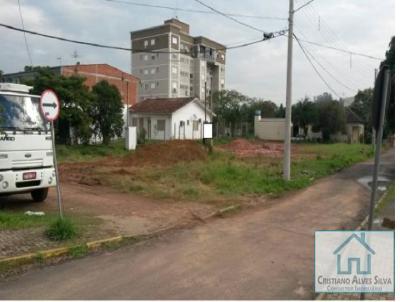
[251, 148]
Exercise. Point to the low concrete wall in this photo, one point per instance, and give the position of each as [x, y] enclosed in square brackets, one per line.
[270, 128]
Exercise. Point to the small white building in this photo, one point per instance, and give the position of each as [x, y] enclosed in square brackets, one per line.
[170, 118]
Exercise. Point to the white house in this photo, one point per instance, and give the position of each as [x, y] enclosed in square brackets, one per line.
[170, 118]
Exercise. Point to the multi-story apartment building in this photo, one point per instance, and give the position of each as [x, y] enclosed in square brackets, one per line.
[171, 63]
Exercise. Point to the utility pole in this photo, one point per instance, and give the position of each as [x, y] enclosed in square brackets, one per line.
[373, 138]
[288, 115]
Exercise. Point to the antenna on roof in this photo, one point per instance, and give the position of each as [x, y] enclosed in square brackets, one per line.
[176, 9]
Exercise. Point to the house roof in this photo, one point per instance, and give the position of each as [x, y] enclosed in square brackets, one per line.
[360, 239]
[352, 117]
[160, 106]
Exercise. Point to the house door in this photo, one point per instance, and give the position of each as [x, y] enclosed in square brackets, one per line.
[355, 135]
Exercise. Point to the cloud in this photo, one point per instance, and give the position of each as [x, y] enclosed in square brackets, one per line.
[258, 70]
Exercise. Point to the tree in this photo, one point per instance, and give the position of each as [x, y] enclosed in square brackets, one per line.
[304, 113]
[226, 106]
[106, 111]
[331, 117]
[390, 61]
[362, 106]
[75, 101]
[280, 112]
[233, 109]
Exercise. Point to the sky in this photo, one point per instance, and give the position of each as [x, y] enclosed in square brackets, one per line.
[363, 26]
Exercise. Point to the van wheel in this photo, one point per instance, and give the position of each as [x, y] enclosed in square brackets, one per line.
[39, 195]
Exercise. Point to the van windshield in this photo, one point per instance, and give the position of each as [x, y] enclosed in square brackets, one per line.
[19, 112]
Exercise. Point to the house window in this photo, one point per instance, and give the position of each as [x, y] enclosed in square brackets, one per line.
[152, 42]
[160, 125]
[174, 40]
[181, 123]
[187, 122]
[146, 43]
[134, 122]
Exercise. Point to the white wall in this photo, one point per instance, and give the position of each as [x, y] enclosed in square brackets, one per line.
[270, 128]
[154, 133]
[191, 112]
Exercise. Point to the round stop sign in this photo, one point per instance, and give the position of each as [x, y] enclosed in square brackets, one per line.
[50, 105]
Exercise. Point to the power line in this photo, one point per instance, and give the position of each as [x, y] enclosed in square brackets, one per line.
[342, 50]
[230, 17]
[315, 69]
[26, 41]
[175, 9]
[305, 4]
[265, 38]
[327, 71]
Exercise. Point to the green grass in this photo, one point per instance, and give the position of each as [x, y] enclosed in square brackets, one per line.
[61, 229]
[389, 197]
[224, 177]
[80, 153]
[14, 220]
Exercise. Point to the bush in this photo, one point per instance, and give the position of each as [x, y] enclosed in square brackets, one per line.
[61, 229]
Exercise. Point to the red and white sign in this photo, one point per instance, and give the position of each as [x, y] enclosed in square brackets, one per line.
[50, 105]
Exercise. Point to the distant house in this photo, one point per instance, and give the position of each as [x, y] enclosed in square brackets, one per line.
[170, 118]
[354, 127]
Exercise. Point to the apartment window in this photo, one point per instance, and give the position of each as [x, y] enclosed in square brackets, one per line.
[174, 87]
[174, 56]
[223, 57]
[152, 85]
[145, 71]
[181, 123]
[174, 40]
[146, 43]
[145, 57]
[187, 122]
[153, 71]
[222, 82]
[191, 75]
[174, 70]
[153, 57]
[152, 42]
[157, 84]
[160, 125]
[146, 86]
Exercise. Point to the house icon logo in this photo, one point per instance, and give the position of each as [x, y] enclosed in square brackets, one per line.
[354, 252]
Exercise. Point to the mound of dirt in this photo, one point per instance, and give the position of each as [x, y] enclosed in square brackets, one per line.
[246, 148]
[166, 153]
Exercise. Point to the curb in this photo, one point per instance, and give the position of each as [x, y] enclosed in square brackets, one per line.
[41, 256]
[321, 296]
[91, 246]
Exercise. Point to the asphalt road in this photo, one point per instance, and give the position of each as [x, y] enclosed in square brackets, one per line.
[258, 254]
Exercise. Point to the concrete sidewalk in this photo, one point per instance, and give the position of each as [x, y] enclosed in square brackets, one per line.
[258, 254]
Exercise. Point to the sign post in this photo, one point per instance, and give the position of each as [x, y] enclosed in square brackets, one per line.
[50, 107]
